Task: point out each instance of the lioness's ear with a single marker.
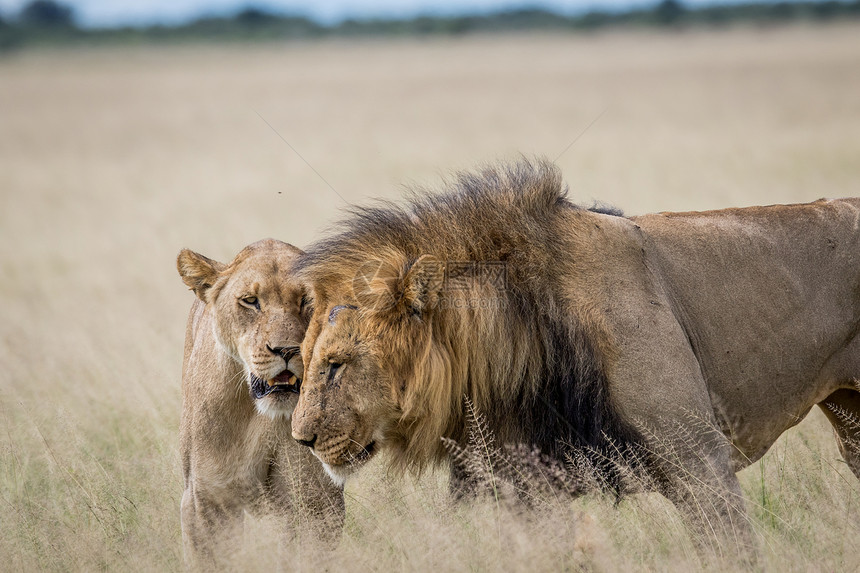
(422, 285)
(197, 271)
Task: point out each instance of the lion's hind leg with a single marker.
(842, 408)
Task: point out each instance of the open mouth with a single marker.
(286, 382)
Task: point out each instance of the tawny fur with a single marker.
(697, 338)
(237, 453)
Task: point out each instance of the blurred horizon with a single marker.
(95, 14)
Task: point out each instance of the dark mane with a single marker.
(484, 202)
(546, 368)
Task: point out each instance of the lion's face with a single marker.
(360, 363)
(257, 315)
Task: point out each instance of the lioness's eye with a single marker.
(251, 301)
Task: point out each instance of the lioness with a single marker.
(685, 343)
(240, 380)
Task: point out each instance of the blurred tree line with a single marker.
(46, 22)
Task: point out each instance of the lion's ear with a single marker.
(198, 272)
(422, 285)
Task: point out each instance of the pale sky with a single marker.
(141, 12)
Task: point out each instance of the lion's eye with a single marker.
(251, 301)
(333, 367)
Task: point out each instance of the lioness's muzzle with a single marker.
(286, 382)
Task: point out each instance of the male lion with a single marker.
(686, 343)
(239, 387)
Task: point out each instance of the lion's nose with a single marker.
(309, 443)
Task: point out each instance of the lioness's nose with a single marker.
(285, 352)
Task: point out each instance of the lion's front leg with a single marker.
(692, 468)
(656, 383)
(689, 460)
(207, 527)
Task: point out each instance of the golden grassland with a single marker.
(111, 161)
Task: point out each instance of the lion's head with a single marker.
(365, 353)
(257, 311)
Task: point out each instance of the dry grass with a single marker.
(110, 162)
